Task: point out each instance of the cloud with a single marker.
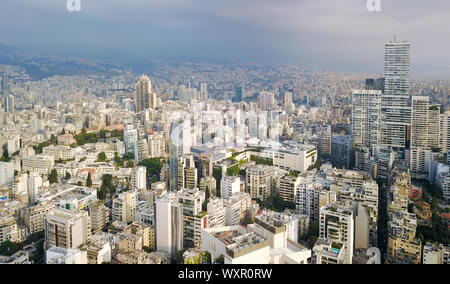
(340, 35)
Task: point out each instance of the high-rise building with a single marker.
(193, 217)
(419, 122)
(229, 186)
(260, 181)
(288, 98)
(425, 133)
(139, 178)
(205, 165)
(366, 118)
(239, 94)
(144, 97)
(6, 173)
(34, 183)
(130, 138)
(342, 152)
(157, 145)
(67, 229)
(287, 188)
(8, 103)
(396, 106)
(187, 172)
(169, 224)
(336, 224)
(4, 85)
(203, 92)
(375, 84)
(124, 207)
(99, 214)
(266, 100)
(208, 185)
(444, 132)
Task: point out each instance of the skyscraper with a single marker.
(444, 132)
(396, 107)
(130, 138)
(9, 103)
(366, 117)
(144, 97)
(419, 121)
(266, 100)
(238, 97)
(4, 85)
(203, 91)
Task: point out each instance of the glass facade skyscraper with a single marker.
(396, 103)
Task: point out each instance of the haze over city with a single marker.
(338, 36)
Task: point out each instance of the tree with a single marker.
(130, 164)
(154, 167)
(63, 131)
(53, 139)
(68, 176)
(89, 180)
(102, 157)
(53, 177)
(180, 256)
(102, 192)
(220, 259)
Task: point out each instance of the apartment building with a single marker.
(35, 216)
(259, 181)
(67, 229)
(124, 207)
(41, 164)
(336, 224)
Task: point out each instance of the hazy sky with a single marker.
(334, 34)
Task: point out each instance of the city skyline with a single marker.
(206, 161)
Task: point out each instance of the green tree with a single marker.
(53, 177)
(89, 180)
(68, 176)
(102, 157)
(220, 259)
(53, 140)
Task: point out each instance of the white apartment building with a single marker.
(216, 212)
(259, 181)
(59, 255)
(236, 245)
(312, 194)
(34, 185)
(433, 254)
(366, 117)
(157, 145)
(295, 158)
(139, 178)
(169, 226)
(124, 207)
(35, 216)
(336, 224)
(59, 152)
(67, 229)
(41, 164)
(237, 208)
(287, 188)
(229, 186)
(6, 173)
